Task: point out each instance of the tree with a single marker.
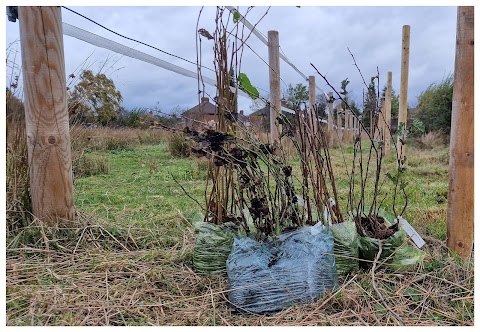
(95, 99)
(354, 108)
(435, 106)
(370, 104)
(322, 105)
(293, 96)
(395, 101)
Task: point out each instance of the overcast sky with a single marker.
(318, 35)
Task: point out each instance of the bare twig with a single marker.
(394, 314)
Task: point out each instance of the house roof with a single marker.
(266, 110)
(243, 118)
(205, 106)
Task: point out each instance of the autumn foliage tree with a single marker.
(95, 99)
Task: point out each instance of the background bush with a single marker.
(435, 106)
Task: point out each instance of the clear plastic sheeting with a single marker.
(405, 257)
(346, 241)
(212, 247)
(297, 268)
(369, 247)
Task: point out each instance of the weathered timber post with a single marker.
(339, 125)
(348, 125)
(274, 74)
(388, 113)
(46, 114)
(381, 122)
(461, 171)
(372, 127)
(330, 119)
(354, 126)
(402, 111)
(312, 97)
(357, 126)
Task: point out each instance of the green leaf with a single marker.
(400, 129)
(380, 309)
(413, 293)
(246, 86)
(236, 16)
(418, 126)
(392, 178)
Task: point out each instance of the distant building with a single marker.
(261, 118)
(203, 112)
(206, 112)
(244, 120)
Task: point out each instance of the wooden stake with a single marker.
(312, 100)
(274, 74)
(388, 112)
(330, 119)
(339, 125)
(348, 125)
(46, 115)
(402, 112)
(461, 170)
(381, 122)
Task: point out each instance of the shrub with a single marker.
(136, 118)
(178, 146)
(435, 106)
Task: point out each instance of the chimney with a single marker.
(204, 100)
(241, 112)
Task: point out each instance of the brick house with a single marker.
(260, 119)
(205, 112)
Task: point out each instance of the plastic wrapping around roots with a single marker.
(265, 277)
(212, 247)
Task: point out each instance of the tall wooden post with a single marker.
(402, 111)
(348, 125)
(381, 122)
(274, 74)
(372, 127)
(461, 171)
(354, 124)
(339, 125)
(330, 119)
(388, 113)
(46, 115)
(312, 100)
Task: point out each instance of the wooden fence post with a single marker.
(461, 171)
(402, 111)
(46, 114)
(312, 100)
(274, 74)
(388, 112)
(348, 125)
(339, 125)
(381, 122)
(330, 119)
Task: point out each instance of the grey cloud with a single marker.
(319, 35)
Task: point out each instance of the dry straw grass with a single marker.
(105, 138)
(95, 275)
(431, 140)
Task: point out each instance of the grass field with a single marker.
(127, 261)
